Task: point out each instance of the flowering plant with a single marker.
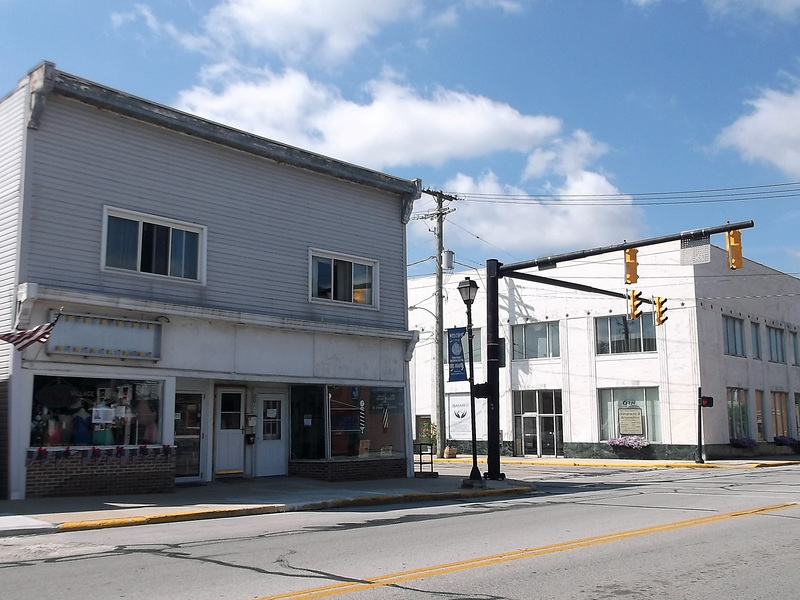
(784, 440)
(629, 441)
(743, 443)
(427, 432)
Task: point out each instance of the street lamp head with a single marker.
(468, 290)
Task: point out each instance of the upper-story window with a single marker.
(777, 345)
(755, 331)
(619, 334)
(733, 336)
(343, 279)
(153, 245)
(536, 340)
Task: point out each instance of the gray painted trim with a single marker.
(47, 79)
(68, 297)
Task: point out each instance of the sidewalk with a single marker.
(265, 495)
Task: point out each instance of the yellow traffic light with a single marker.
(733, 241)
(661, 310)
(635, 304)
(631, 265)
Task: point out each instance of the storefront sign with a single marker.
(630, 421)
(89, 335)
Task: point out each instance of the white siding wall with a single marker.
(12, 140)
(12, 135)
(262, 217)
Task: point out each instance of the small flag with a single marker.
(27, 337)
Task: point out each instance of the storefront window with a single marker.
(366, 422)
(630, 411)
(73, 411)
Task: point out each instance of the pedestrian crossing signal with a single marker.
(706, 401)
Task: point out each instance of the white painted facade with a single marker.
(689, 355)
(211, 359)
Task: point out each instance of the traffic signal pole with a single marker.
(496, 270)
(493, 370)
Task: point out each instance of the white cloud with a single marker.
(786, 9)
(564, 156)
(159, 28)
(770, 132)
(322, 31)
(508, 6)
(527, 226)
(296, 30)
(395, 126)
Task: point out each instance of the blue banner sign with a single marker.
(455, 353)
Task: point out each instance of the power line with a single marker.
(713, 195)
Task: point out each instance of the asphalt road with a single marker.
(585, 533)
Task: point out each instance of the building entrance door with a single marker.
(229, 447)
(530, 437)
(550, 435)
(188, 428)
(538, 423)
(271, 442)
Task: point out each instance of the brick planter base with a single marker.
(81, 475)
(349, 470)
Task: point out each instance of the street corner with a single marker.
(13, 525)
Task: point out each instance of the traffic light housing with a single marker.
(631, 266)
(733, 242)
(706, 401)
(661, 310)
(634, 304)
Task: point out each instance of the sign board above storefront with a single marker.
(90, 335)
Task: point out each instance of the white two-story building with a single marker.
(579, 372)
(230, 305)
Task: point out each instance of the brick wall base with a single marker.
(349, 470)
(80, 474)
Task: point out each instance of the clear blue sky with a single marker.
(551, 119)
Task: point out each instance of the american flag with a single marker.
(27, 337)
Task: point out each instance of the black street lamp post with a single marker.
(469, 290)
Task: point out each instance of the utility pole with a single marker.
(441, 416)
(440, 410)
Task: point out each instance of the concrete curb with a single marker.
(630, 464)
(283, 508)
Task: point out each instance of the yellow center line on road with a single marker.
(472, 563)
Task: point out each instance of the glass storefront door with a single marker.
(188, 422)
(538, 423)
(530, 445)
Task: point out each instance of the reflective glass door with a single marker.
(188, 427)
(530, 438)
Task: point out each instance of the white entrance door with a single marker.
(271, 438)
(229, 453)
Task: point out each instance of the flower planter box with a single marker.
(625, 453)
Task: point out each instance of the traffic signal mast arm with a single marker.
(505, 270)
